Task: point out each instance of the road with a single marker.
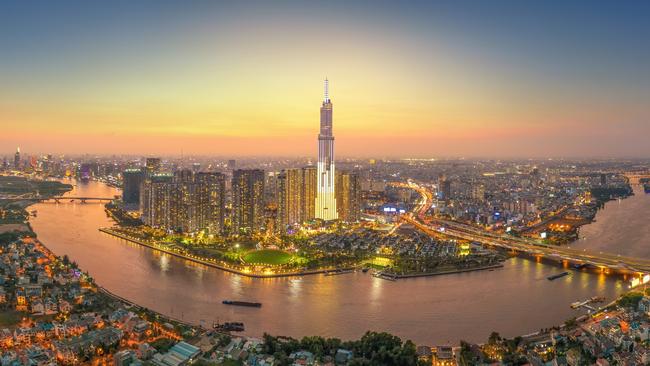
(435, 226)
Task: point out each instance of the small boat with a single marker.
(365, 269)
(242, 303)
(581, 265)
(556, 276)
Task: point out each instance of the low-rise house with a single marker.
(343, 356)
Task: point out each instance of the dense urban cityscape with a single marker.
(343, 183)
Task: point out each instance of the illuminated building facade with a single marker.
(212, 200)
(185, 201)
(325, 194)
(182, 215)
(348, 196)
(308, 193)
(153, 165)
(290, 200)
(248, 200)
(154, 199)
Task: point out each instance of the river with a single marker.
(514, 300)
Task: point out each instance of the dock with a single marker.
(586, 303)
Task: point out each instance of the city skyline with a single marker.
(424, 80)
(177, 188)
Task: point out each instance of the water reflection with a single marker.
(427, 310)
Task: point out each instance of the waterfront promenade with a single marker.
(220, 265)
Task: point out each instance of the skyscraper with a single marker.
(154, 199)
(290, 189)
(348, 196)
(308, 194)
(325, 194)
(132, 180)
(248, 200)
(212, 200)
(183, 203)
(17, 159)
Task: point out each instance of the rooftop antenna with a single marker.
(327, 92)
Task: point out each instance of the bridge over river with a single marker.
(606, 262)
(58, 199)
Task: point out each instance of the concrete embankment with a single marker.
(217, 265)
(494, 266)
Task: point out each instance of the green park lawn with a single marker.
(268, 256)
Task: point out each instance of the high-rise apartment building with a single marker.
(184, 201)
(290, 200)
(154, 199)
(212, 200)
(132, 180)
(308, 193)
(248, 200)
(348, 196)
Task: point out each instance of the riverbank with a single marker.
(240, 272)
(326, 271)
(348, 305)
(454, 271)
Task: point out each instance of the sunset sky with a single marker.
(426, 79)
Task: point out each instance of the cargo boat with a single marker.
(242, 303)
(338, 272)
(230, 327)
(556, 276)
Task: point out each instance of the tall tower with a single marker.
(17, 159)
(325, 196)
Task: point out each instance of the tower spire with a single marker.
(327, 91)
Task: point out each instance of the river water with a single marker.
(514, 300)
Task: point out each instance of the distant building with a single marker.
(17, 159)
(153, 165)
(132, 180)
(248, 200)
(444, 188)
(85, 171)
